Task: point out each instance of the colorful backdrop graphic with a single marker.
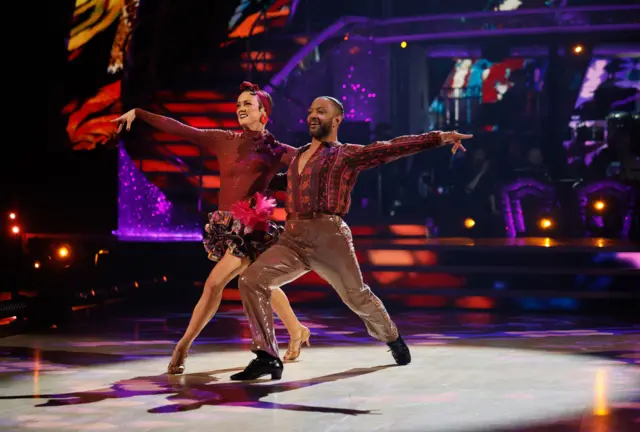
(98, 43)
(91, 17)
(492, 78)
(97, 48)
(248, 12)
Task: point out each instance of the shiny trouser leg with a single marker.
(325, 246)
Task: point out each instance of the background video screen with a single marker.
(97, 45)
(99, 40)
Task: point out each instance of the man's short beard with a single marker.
(323, 131)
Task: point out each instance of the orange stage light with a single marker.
(545, 223)
(408, 230)
(599, 205)
(391, 258)
(64, 251)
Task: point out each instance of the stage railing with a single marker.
(458, 26)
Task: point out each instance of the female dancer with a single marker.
(240, 230)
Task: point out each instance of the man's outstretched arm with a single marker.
(381, 152)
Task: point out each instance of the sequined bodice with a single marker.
(248, 160)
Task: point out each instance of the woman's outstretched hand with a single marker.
(125, 119)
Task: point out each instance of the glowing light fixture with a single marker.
(64, 251)
(545, 223)
(599, 205)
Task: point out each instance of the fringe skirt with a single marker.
(225, 231)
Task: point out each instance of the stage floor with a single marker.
(470, 372)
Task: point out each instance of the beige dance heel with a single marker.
(293, 350)
(176, 366)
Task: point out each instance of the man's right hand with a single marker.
(126, 118)
(454, 138)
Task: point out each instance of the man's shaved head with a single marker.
(335, 102)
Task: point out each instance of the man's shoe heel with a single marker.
(264, 364)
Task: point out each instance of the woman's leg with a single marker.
(298, 334)
(225, 270)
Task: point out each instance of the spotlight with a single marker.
(578, 49)
(469, 223)
(599, 205)
(63, 251)
(36, 264)
(15, 230)
(545, 223)
(12, 216)
(403, 44)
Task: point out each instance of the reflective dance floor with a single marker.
(470, 372)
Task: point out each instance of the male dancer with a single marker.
(320, 179)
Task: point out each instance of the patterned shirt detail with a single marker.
(327, 179)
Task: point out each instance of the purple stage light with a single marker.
(613, 189)
(512, 195)
(594, 77)
(293, 9)
(632, 258)
(144, 212)
(151, 236)
(520, 31)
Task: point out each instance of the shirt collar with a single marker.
(305, 147)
